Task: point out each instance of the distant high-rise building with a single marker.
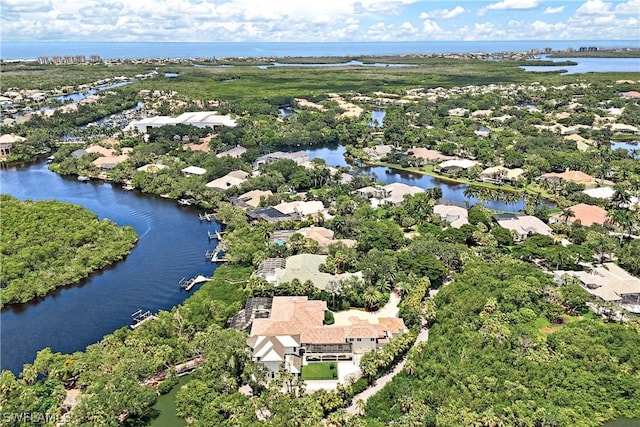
(80, 59)
(43, 60)
(68, 59)
(57, 60)
(588, 49)
(94, 58)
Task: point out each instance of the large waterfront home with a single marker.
(290, 331)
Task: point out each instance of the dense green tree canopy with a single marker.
(47, 244)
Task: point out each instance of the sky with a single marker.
(317, 20)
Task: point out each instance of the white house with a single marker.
(522, 225)
(232, 179)
(200, 119)
(193, 170)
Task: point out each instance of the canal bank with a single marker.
(451, 190)
(172, 243)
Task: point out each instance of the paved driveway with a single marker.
(390, 309)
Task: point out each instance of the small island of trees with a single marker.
(48, 244)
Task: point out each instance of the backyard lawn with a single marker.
(320, 371)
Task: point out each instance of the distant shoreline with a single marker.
(13, 51)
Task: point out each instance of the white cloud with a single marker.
(296, 20)
(443, 13)
(594, 7)
(13, 6)
(632, 7)
(511, 5)
(553, 10)
(430, 27)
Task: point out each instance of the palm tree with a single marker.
(410, 366)
(620, 197)
(566, 214)
(624, 218)
(371, 297)
(531, 200)
(471, 192)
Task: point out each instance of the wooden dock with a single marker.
(188, 366)
(187, 285)
(217, 235)
(213, 256)
(139, 317)
(206, 217)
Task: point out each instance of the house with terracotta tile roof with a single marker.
(203, 146)
(631, 94)
(293, 334)
(583, 214)
(108, 159)
(324, 237)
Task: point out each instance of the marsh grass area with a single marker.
(249, 82)
(320, 371)
(48, 77)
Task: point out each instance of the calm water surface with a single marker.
(31, 50)
(633, 148)
(172, 245)
(377, 118)
(166, 406)
(589, 65)
(334, 156)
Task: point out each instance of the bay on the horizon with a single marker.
(184, 50)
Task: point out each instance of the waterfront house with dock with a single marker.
(290, 331)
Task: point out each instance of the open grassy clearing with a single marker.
(320, 371)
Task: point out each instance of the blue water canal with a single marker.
(334, 156)
(172, 245)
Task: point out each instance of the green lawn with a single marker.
(320, 371)
(545, 327)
